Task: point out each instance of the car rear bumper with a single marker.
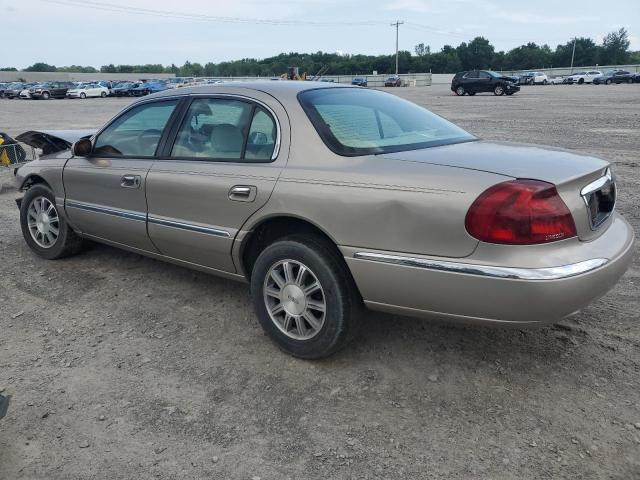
(460, 290)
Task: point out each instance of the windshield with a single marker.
(353, 121)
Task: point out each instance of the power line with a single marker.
(112, 7)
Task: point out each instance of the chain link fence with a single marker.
(13, 156)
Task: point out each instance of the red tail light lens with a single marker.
(520, 212)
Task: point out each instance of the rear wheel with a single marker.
(498, 90)
(83, 95)
(43, 228)
(608, 82)
(45, 95)
(460, 91)
(103, 94)
(304, 297)
(581, 81)
(630, 80)
(545, 82)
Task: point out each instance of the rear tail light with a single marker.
(520, 212)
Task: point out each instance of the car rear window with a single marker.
(354, 122)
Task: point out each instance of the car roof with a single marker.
(284, 88)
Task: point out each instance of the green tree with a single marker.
(478, 53)
(41, 67)
(615, 48)
(587, 53)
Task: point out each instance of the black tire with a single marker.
(68, 242)
(45, 95)
(83, 95)
(343, 303)
(581, 81)
(103, 95)
(608, 82)
(498, 90)
(630, 80)
(471, 94)
(545, 82)
(460, 91)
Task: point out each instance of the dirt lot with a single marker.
(122, 367)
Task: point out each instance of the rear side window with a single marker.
(137, 132)
(225, 130)
(353, 121)
(471, 75)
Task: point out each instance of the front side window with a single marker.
(484, 75)
(352, 122)
(225, 130)
(137, 132)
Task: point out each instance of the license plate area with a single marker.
(600, 199)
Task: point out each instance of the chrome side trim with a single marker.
(187, 226)
(548, 273)
(108, 211)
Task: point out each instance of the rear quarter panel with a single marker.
(375, 202)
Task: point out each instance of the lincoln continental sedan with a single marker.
(330, 199)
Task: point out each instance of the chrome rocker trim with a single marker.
(192, 228)
(141, 217)
(548, 273)
(108, 211)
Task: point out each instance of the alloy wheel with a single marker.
(295, 300)
(43, 222)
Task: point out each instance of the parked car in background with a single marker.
(534, 78)
(147, 88)
(13, 90)
(557, 80)
(477, 81)
(359, 81)
(215, 178)
(614, 76)
(88, 90)
(124, 89)
(393, 81)
(584, 77)
(24, 93)
(3, 87)
(48, 90)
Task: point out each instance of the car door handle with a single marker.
(243, 193)
(130, 181)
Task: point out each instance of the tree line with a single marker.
(478, 53)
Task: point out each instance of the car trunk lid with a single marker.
(570, 172)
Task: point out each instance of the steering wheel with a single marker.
(149, 137)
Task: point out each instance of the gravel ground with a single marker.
(123, 367)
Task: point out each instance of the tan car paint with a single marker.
(410, 203)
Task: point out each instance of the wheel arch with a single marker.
(33, 179)
(271, 228)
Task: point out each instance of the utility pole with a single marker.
(397, 25)
(573, 53)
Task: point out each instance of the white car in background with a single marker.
(558, 80)
(24, 94)
(584, 77)
(88, 90)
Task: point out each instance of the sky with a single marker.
(90, 32)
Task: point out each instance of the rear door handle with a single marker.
(130, 181)
(243, 193)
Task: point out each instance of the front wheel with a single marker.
(304, 297)
(608, 82)
(471, 94)
(545, 82)
(498, 90)
(103, 94)
(43, 228)
(460, 91)
(630, 80)
(45, 95)
(83, 96)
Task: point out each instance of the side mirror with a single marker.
(82, 148)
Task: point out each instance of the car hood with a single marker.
(52, 141)
(514, 160)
